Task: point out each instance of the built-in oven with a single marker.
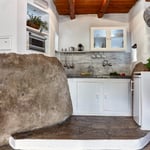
(36, 42)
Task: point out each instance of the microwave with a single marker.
(36, 42)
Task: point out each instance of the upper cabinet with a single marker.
(108, 39)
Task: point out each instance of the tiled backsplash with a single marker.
(120, 62)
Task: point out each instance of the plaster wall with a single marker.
(73, 32)
(140, 33)
(8, 17)
(54, 27)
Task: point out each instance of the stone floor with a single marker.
(81, 127)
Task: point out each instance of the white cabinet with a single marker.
(89, 97)
(117, 100)
(141, 99)
(5, 43)
(85, 96)
(109, 97)
(72, 89)
(137, 100)
(108, 38)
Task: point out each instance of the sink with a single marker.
(103, 76)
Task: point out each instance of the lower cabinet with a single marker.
(89, 98)
(108, 97)
(117, 97)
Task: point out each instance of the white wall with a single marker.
(73, 32)
(8, 17)
(54, 27)
(139, 30)
(13, 24)
(21, 24)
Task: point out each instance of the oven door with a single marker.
(37, 42)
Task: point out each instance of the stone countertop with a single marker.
(99, 76)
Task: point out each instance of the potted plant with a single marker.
(148, 64)
(37, 23)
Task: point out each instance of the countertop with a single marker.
(99, 76)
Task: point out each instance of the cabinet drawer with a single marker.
(5, 43)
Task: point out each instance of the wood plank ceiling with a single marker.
(99, 7)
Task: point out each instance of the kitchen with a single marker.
(90, 62)
(67, 33)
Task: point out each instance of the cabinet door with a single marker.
(108, 38)
(89, 98)
(116, 98)
(137, 101)
(100, 38)
(117, 39)
(73, 94)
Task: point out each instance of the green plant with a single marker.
(44, 25)
(37, 22)
(148, 64)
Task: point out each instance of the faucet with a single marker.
(106, 63)
(91, 69)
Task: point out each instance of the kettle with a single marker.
(80, 47)
(71, 49)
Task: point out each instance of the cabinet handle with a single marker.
(131, 85)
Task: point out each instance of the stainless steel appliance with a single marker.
(36, 42)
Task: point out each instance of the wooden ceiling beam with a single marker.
(72, 8)
(103, 8)
(99, 7)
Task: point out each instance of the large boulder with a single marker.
(33, 93)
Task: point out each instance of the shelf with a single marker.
(37, 9)
(79, 52)
(36, 31)
(72, 52)
(90, 51)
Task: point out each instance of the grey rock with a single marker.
(146, 16)
(34, 93)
